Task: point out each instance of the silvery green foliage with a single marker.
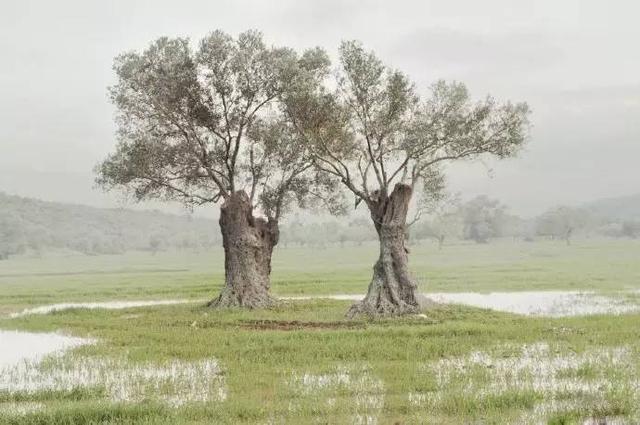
(371, 129)
(196, 125)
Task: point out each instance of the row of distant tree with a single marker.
(483, 219)
(33, 226)
(480, 219)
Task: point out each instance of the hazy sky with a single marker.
(577, 63)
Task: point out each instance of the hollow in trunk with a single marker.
(248, 243)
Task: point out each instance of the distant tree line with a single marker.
(482, 219)
(33, 226)
(298, 233)
(479, 220)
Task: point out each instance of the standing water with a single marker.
(17, 347)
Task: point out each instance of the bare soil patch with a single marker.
(294, 325)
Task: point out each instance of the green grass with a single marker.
(503, 265)
(303, 362)
(390, 358)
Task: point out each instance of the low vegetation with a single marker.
(503, 265)
(303, 362)
(454, 365)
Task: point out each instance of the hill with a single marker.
(621, 208)
(33, 225)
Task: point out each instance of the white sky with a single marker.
(576, 62)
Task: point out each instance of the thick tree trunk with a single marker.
(392, 290)
(248, 244)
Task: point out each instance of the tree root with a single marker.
(382, 308)
(250, 300)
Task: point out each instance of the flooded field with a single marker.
(22, 351)
(541, 303)
(188, 361)
(564, 381)
(175, 383)
(530, 303)
(17, 348)
(365, 392)
(118, 347)
(37, 363)
(533, 303)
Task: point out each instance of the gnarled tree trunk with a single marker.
(392, 290)
(248, 244)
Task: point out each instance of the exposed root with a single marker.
(392, 291)
(247, 299)
(382, 308)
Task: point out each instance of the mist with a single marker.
(319, 211)
(576, 64)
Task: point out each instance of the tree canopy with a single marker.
(374, 130)
(198, 125)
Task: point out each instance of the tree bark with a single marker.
(392, 290)
(248, 244)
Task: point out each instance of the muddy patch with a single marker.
(295, 325)
(337, 297)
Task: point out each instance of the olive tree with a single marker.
(371, 132)
(12, 235)
(445, 219)
(483, 218)
(561, 222)
(204, 126)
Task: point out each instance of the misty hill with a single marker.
(33, 225)
(621, 208)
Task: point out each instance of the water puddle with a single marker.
(530, 303)
(107, 305)
(19, 347)
(541, 303)
(33, 362)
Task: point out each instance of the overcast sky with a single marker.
(577, 63)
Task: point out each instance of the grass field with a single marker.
(608, 265)
(303, 362)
